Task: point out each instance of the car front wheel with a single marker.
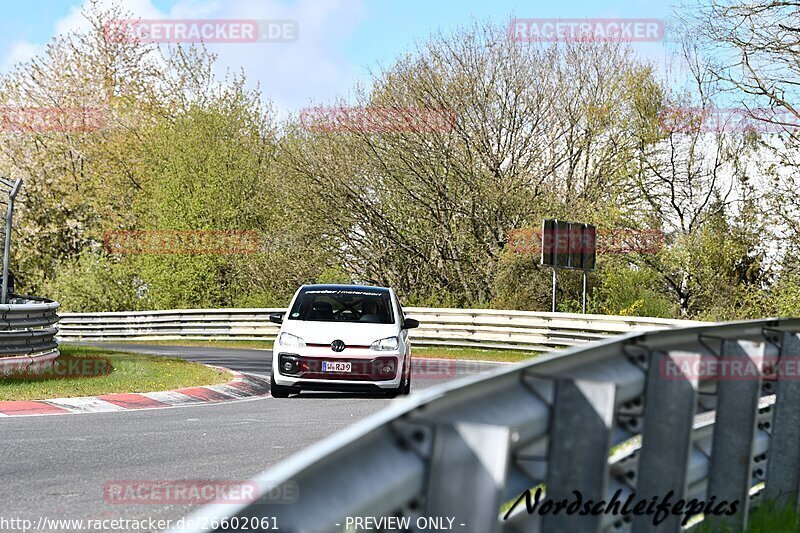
(404, 388)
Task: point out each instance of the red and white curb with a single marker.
(241, 387)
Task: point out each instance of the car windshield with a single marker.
(343, 305)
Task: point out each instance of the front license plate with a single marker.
(336, 366)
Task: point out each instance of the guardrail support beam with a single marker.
(670, 401)
(467, 475)
(730, 473)
(582, 419)
(783, 462)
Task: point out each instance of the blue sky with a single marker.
(339, 39)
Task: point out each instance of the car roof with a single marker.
(334, 287)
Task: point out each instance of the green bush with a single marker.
(630, 291)
(97, 282)
(786, 294)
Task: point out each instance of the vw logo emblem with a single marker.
(337, 345)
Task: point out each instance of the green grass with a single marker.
(764, 518)
(261, 345)
(444, 352)
(473, 354)
(128, 373)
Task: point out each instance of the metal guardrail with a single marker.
(594, 419)
(483, 328)
(27, 333)
(11, 188)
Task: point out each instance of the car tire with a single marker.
(402, 389)
(393, 393)
(279, 391)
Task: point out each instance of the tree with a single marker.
(691, 176)
(536, 131)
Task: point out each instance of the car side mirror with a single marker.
(276, 317)
(410, 323)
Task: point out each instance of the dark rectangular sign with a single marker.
(548, 231)
(575, 245)
(568, 244)
(561, 240)
(589, 248)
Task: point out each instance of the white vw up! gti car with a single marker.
(343, 338)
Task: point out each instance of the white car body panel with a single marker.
(353, 334)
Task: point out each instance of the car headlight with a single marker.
(291, 341)
(389, 343)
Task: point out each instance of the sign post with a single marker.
(569, 245)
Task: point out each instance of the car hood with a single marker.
(351, 333)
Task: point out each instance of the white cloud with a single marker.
(24, 50)
(76, 22)
(20, 51)
(292, 74)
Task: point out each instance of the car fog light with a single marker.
(387, 369)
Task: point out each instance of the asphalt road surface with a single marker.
(57, 466)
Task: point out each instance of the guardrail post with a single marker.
(469, 464)
(7, 247)
(730, 473)
(670, 401)
(580, 438)
(783, 462)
